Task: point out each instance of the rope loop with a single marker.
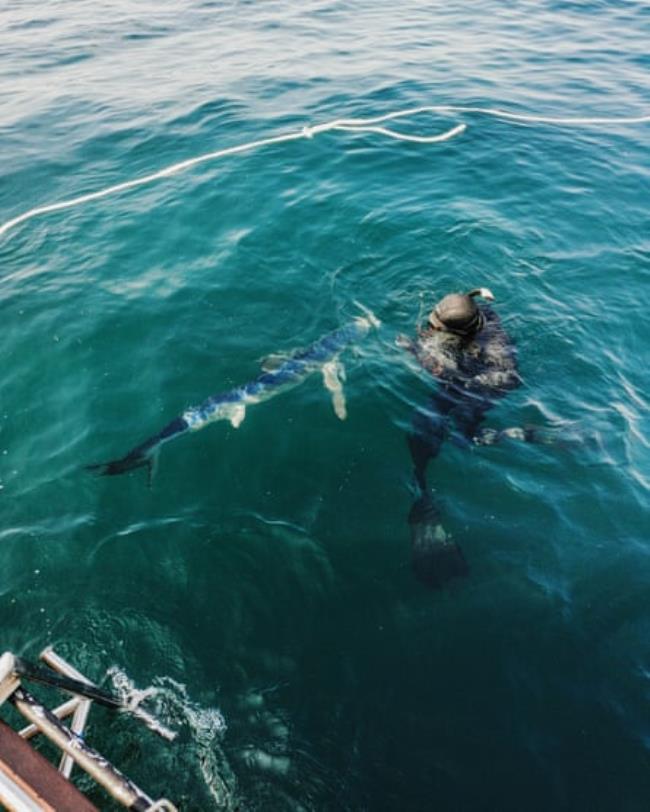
(353, 125)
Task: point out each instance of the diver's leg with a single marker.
(427, 434)
(468, 414)
(434, 557)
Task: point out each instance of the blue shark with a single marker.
(322, 355)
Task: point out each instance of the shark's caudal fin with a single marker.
(134, 459)
(144, 455)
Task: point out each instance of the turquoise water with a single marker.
(263, 583)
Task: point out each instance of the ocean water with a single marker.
(263, 583)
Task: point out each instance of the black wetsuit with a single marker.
(473, 373)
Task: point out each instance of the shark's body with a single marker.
(231, 405)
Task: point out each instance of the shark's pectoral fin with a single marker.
(237, 415)
(333, 377)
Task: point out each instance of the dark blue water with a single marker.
(263, 584)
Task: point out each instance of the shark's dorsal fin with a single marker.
(333, 377)
(274, 361)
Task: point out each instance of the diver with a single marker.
(465, 348)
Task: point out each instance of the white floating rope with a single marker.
(342, 124)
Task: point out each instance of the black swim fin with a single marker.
(434, 557)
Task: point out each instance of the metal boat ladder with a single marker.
(28, 781)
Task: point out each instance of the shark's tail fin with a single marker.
(435, 558)
(143, 455)
(138, 458)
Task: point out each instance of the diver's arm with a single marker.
(427, 348)
(499, 372)
(412, 347)
(433, 367)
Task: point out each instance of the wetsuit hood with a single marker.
(458, 313)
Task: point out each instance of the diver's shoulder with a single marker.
(493, 328)
(490, 315)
